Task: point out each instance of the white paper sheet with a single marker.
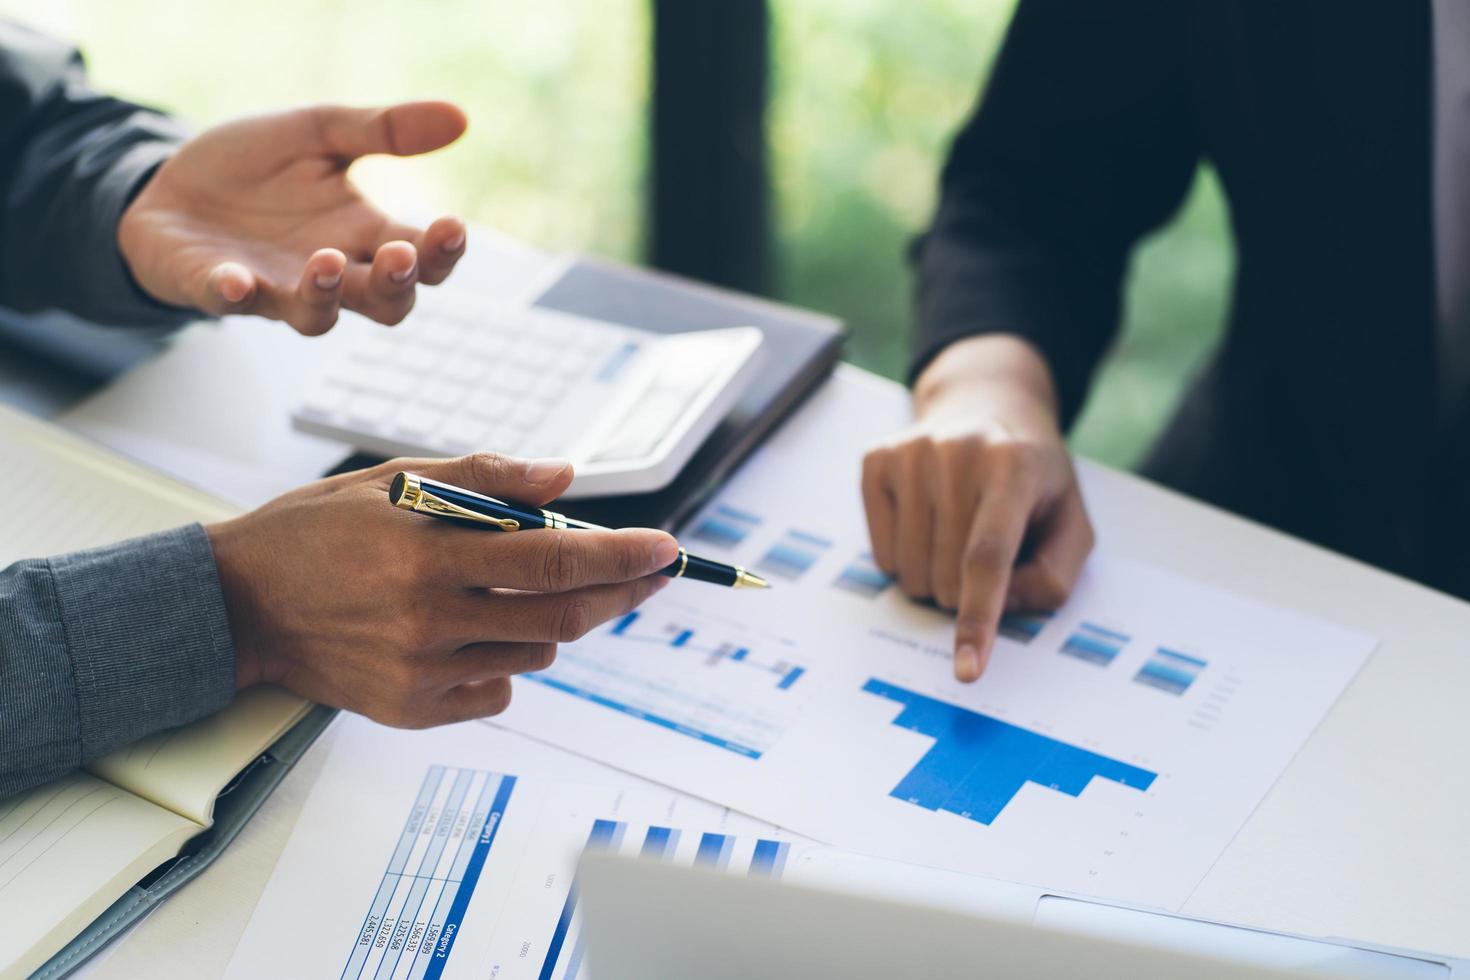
(1112, 749)
(451, 853)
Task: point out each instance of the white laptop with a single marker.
(857, 918)
(464, 373)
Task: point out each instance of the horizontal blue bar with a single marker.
(1094, 628)
(1175, 655)
(682, 638)
(808, 538)
(791, 677)
(740, 654)
(639, 713)
(624, 623)
(739, 515)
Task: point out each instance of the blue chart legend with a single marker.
(863, 577)
(978, 763)
(725, 526)
(761, 858)
(1095, 644)
(415, 915)
(796, 552)
(1023, 627)
(724, 693)
(1169, 670)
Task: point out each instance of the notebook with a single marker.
(73, 849)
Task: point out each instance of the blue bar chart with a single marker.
(761, 857)
(1170, 670)
(1023, 627)
(978, 764)
(665, 672)
(793, 555)
(863, 577)
(1095, 644)
(725, 526)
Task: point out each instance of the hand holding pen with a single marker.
(341, 598)
(447, 502)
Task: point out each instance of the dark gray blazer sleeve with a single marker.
(1082, 142)
(70, 162)
(102, 647)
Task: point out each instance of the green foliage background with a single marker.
(865, 96)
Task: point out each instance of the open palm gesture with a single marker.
(258, 216)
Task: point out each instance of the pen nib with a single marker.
(749, 580)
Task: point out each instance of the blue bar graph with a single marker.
(863, 577)
(796, 552)
(621, 626)
(769, 860)
(660, 843)
(725, 526)
(1095, 644)
(978, 764)
(682, 638)
(714, 851)
(606, 835)
(1023, 627)
(791, 677)
(1170, 670)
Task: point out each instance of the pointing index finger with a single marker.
(990, 552)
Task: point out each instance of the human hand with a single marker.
(981, 481)
(348, 601)
(258, 216)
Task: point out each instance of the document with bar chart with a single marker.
(422, 856)
(1113, 747)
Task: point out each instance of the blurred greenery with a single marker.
(865, 94)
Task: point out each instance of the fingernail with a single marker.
(665, 552)
(454, 244)
(545, 470)
(325, 281)
(233, 290)
(405, 275)
(967, 662)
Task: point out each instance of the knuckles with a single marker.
(564, 563)
(573, 621)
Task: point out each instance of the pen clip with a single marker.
(409, 494)
(438, 505)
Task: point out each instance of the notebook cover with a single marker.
(234, 808)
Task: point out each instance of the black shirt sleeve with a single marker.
(70, 162)
(1082, 143)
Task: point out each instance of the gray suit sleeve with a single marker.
(71, 160)
(101, 647)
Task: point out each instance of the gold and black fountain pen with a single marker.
(424, 496)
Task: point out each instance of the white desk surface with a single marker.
(1365, 835)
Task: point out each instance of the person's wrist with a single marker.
(996, 375)
(227, 540)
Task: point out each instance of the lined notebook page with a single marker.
(67, 851)
(67, 493)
